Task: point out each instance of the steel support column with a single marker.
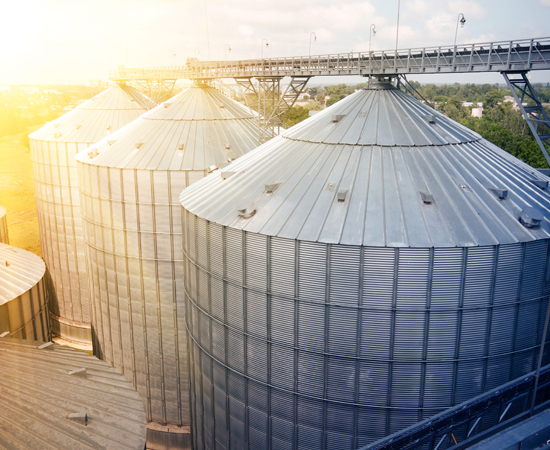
(536, 116)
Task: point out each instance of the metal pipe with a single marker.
(541, 352)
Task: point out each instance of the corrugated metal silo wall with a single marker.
(132, 230)
(58, 205)
(26, 316)
(4, 237)
(306, 345)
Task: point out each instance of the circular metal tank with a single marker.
(359, 273)
(4, 237)
(59, 398)
(53, 150)
(23, 295)
(130, 185)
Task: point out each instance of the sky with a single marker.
(75, 41)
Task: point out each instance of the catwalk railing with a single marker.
(521, 55)
(463, 425)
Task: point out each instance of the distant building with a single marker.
(30, 90)
(51, 91)
(477, 112)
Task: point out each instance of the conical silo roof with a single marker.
(378, 168)
(96, 118)
(196, 129)
(20, 271)
(54, 397)
(23, 296)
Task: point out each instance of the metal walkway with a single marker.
(519, 56)
(524, 54)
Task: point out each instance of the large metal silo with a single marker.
(370, 267)
(23, 295)
(4, 236)
(130, 185)
(54, 397)
(53, 150)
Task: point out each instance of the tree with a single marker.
(493, 97)
(320, 97)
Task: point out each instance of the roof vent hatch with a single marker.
(426, 197)
(430, 118)
(272, 187)
(81, 417)
(246, 209)
(337, 117)
(342, 194)
(530, 217)
(501, 193)
(540, 183)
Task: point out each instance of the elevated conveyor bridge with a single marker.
(516, 57)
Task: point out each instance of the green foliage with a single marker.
(493, 97)
(523, 148)
(296, 115)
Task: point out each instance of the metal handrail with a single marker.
(522, 54)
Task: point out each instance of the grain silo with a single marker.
(130, 185)
(4, 237)
(53, 148)
(59, 398)
(368, 268)
(23, 295)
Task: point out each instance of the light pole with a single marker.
(262, 51)
(460, 20)
(227, 47)
(397, 33)
(197, 53)
(372, 31)
(315, 36)
(371, 34)
(172, 56)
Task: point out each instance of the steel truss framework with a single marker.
(272, 106)
(157, 89)
(536, 115)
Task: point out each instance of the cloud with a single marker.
(545, 3)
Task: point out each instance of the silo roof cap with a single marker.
(189, 132)
(96, 118)
(20, 271)
(409, 181)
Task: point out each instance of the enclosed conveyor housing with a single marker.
(4, 236)
(53, 150)
(23, 295)
(59, 398)
(130, 185)
(372, 266)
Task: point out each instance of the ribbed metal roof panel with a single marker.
(384, 151)
(196, 129)
(97, 117)
(37, 394)
(20, 270)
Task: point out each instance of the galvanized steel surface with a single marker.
(4, 237)
(40, 386)
(53, 149)
(132, 229)
(23, 294)
(308, 345)
(344, 308)
(381, 155)
(194, 130)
